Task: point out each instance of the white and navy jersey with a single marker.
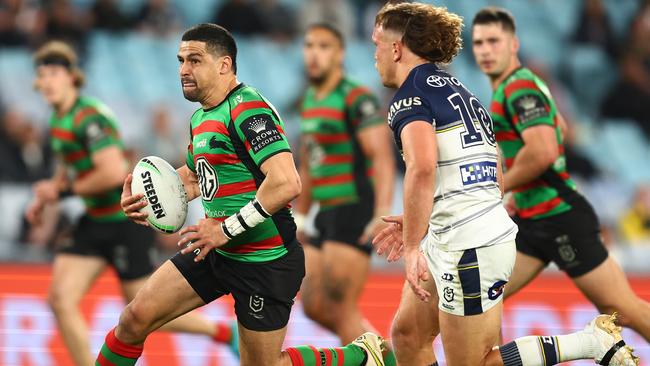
(467, 208)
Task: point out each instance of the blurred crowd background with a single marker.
(594, 54)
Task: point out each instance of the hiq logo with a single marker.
(483, 171)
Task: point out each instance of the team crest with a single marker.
(256, 303)
(448, 294)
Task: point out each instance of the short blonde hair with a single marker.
(60, 53)
(430, 32)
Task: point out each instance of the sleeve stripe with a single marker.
(241, 107)
(354, 93)
(83, 113)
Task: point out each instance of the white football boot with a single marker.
(373, 345)
(613, 351)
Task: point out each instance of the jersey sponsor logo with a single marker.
(530, 107)
(367, 109)
(201, 143)
(260, 131)
(401, 106)
(482, 171)
(208, 180)
(438, 81)
(496, 290)
(94, 133)
(150, 193)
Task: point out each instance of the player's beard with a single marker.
(317, 80)
(193, 94)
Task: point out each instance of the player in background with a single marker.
(556, 223)
(347, 167)
(454, 221)
(240, 164)
(92, 165)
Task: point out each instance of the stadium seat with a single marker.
(630, 162)
(590, 73)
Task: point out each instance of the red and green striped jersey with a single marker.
(339, 171)
(521, 101)
(87, 128)
(229, 143)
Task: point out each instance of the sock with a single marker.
(548, 350)
(116, 353)
(389, 358)
(224, 333)
(349, 355)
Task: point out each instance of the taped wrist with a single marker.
(248, 216)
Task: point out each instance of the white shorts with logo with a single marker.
(470, 281)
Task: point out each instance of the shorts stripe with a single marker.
(470, 280)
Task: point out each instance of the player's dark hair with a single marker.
(493, 14)
(216, 38)
(330, 28)
(430, 32)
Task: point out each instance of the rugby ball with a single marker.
(164, 191)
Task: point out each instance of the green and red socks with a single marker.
(116, 353)
(350, 355)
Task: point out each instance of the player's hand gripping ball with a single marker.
(164, 192)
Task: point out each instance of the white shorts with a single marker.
(470, 281)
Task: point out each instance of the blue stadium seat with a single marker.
(590, 73)
(623, 142)
(197, 11)
(620, 14)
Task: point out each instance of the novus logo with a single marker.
(150, 192)
(402, 105)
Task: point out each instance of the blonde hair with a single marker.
(60, 53)
(430, 32)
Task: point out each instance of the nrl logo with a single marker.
(528, 102)
(258, 125)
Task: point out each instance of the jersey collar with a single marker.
(235, 89)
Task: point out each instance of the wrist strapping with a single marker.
(299, 219)
(248, 216)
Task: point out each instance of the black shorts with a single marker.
(263, 292)
(570, 239)
(125, 245)
(344, 224)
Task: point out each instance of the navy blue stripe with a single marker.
(470, 280)
(550, 354)
(510, 354)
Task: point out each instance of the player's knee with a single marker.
(335, 290)
(135, 321)
(59, 301)
(407, 335)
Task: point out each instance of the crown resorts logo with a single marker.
(258, 125)
(528, 102)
